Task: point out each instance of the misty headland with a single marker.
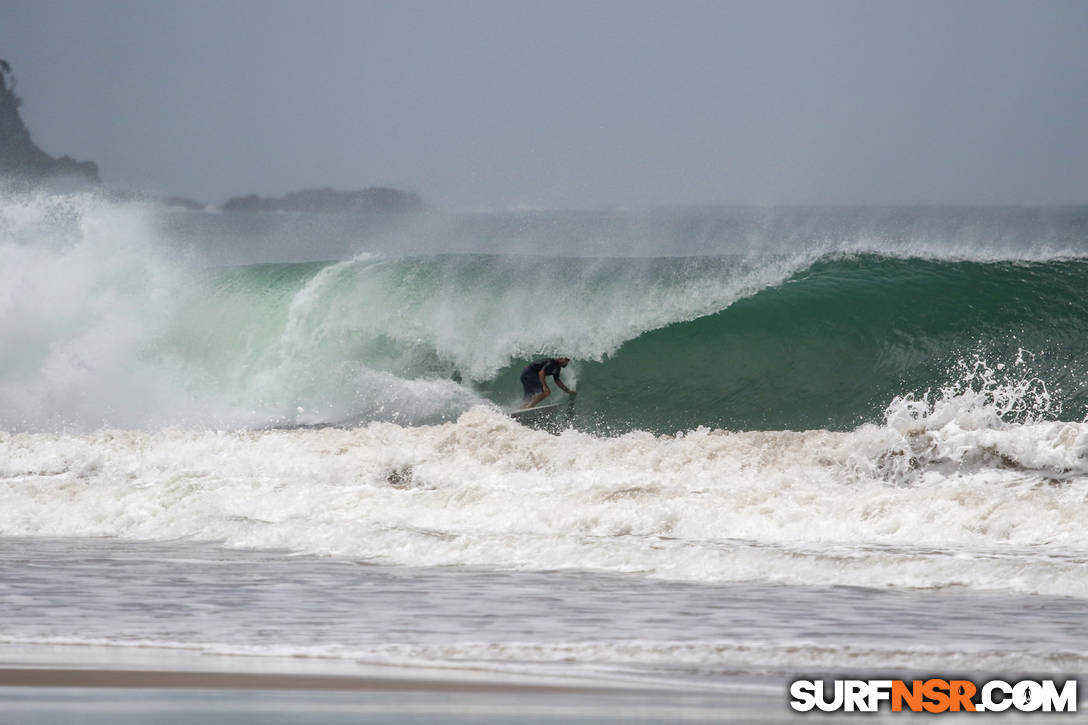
(20, 158)
(325, 200)
(24, 165)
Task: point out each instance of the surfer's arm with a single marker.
(559, 382)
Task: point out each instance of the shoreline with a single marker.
(99, 694)
(98, 685)
(217, 680)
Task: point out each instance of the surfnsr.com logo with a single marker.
(933, 695)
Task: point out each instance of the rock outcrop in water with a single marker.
(376, 199)
(20, 157)
(182, 202)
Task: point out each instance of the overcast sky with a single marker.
(549, 103)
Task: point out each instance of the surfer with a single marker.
(532, 379)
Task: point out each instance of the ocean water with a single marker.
(805, 440)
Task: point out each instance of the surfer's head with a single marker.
(562, 361)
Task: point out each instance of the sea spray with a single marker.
(988, 416)
(85, 298)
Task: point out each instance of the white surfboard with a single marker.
(534, 412)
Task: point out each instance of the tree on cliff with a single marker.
(20, 157)
(7, 82)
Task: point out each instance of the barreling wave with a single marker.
(105, 325)
(662, 344)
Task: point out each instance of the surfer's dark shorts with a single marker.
(531, 383)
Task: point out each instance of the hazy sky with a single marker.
(549, 103)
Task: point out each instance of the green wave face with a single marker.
(836, 342)
(660, 344)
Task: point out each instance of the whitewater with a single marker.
(879, 415)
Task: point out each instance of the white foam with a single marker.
(706, 662)
(990, 508)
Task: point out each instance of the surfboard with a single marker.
(534, 412)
